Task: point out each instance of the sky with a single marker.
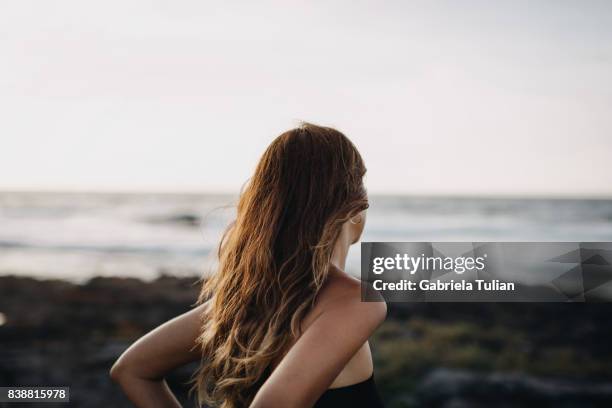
(441, 97)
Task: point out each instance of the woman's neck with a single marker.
(341, 248)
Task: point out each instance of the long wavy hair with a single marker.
(274, 259)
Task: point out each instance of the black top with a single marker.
(360, 395)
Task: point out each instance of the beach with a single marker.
(67, 334)
(84, 275)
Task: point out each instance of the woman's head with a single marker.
(308, 179)
(307, 189)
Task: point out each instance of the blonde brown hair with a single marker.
(274, 259)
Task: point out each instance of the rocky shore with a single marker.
(438, 355)
(58, 333)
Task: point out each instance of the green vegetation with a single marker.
(408, 346)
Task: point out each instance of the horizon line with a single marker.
(220, 192)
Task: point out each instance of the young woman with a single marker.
(280, 324)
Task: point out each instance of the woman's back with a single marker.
(354, 386)
(338, 287)
(330, 330)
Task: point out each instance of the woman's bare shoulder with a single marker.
(344, 292)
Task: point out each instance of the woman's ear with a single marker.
(357, 224)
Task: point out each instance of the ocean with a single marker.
(77, 236)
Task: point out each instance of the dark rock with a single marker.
(450, 388)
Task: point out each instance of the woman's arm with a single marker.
(141, 368)
(321, 353)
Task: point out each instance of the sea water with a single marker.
(78, 236)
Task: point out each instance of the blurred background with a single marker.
(128, 129)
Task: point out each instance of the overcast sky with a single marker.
(441, 97)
